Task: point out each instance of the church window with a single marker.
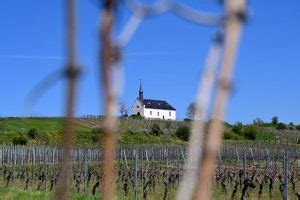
(157, 113)
(170, 113)
(150, 112)
(137, 106)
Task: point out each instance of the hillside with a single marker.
(50, 131)
(132, 131)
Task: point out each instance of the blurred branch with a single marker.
(233, 26)
(41, 88)
(72, 73)
(109, 57)
(189, 181)
(195, 16)
(183, 11)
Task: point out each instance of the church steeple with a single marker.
(141, 93)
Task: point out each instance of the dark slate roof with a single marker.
(157, 104)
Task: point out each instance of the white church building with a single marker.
(152, 109)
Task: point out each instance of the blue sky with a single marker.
(166, 52)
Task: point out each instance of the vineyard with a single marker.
(155, 172)
(128, 157)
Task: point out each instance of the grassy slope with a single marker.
(50, 130)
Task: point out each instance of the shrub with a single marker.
(20, 140)
(250, 132)
(281, 126)
(168, 125)
(237, 128)
(183, 132)
(230, 135)
(156, 130)
(136, 116)
(97, 134)
(32, 133)
(297, 127)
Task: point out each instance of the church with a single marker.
(152, 109)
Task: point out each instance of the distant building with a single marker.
(152, 109)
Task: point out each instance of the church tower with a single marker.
(141, 93)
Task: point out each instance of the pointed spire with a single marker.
(141, 89)
(141, 93)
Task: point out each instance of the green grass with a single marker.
(50, 133)
(12, 193)
(49, 130)
(131, 132)
(146, 138)
(9, 193)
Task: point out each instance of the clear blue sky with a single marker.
(166, 52)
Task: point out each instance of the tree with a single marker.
(190, 111)
(291, 126)
(122, 109)
(275, 120)
(258, 121)
(126, 113)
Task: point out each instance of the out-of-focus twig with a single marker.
(190, 179)
(129, 29)
(183, 11)
(109, 58)
(233, 25)
(72, 72)
(40, 88)
(195, 16)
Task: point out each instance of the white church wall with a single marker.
(137, 107)
(159, 114)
